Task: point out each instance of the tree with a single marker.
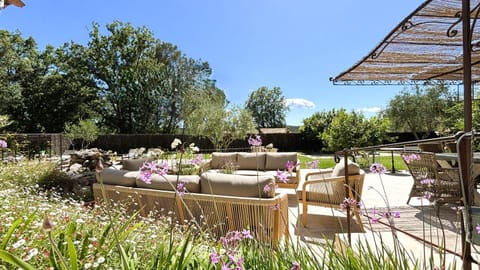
(314, 126)
(86, 131)
(221, 125)
(267, 107)
(420, 109)
(37, 90)
(142, 80)
(352, 129)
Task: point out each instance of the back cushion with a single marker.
(339, 169)
(169, 182)
(251, 161)
(237, 185)
(134, 164)
(278, 161)
(219, 159)
(118, 177)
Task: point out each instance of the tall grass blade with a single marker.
(14, 260)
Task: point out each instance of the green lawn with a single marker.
(328, 162)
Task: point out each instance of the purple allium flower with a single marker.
(409, 158)
(295, 266)
(396, 214)
(267, 188)
(3, 144)
(149, 168)
(181, 187)
(313, 164)
(377, 168)
(255, 141)
(478, 228)
(349, 203)
(375, 220)
(427, 181)
(214, 257)
(198, 160)
(282, 176)
(290, 165)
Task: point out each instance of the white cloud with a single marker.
(370, 110)
(299, 103)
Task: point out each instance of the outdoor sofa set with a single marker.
(244, 198)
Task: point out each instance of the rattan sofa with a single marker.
(256, 163)
(216, 202)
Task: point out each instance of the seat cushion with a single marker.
(119, 177)
(169, 182)
(236, 185)
(220, 159)
(278, 160)
(339, 169)
(134, 164)
(251, 161)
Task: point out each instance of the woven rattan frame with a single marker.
(267, 218)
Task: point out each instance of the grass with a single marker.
(39, 229)
(364, 161)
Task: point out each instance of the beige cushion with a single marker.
(219, 159)
(236, 185)
(339, 169)
(169, 182)
(134, 164)
(118, 177)
(251, 161)
(278, 161)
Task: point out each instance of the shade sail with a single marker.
(425, 47)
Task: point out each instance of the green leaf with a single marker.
(71, 247)
(13, 260)
(10, 231)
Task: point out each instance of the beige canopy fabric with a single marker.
(425, 47)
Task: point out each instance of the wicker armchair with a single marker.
(325, 189)
(431, 181)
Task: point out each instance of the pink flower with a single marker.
(409, 158)
(427, 181)
(295, 266)
(349, 203)
(198, 160)
(313, 164)
(214, 257)
(181, 187)
(3, 144)
(255, 141)
(149, 168)
(377, 168)
(282, 176)
(478, 228)
(267, 188)
(290, 165)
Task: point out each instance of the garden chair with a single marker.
(430, 180)
(327, 189)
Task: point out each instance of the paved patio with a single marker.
(417, 220)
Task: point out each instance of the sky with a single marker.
(294, 45)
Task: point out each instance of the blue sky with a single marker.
(295, 45)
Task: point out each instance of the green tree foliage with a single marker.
(348, 130)
(212, 119)
(35, 88)
(315, 125)
(420, 109)
(267, 107)
(142, 81)
(85, 130)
